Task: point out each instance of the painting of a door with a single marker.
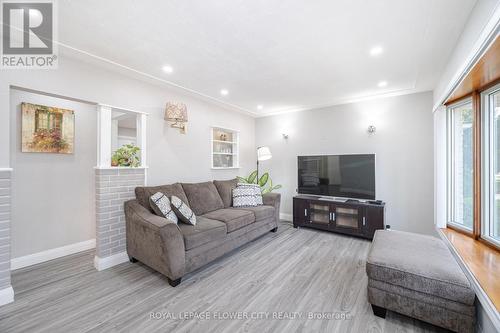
(47, 129)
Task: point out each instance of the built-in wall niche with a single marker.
(225, 148)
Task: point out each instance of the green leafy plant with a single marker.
(126, 156)
(265, 182)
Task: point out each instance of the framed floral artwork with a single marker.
(47, 129)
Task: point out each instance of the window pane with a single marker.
(494, 228)
(462, 166)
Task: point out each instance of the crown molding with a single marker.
(343, 101)
(75, 53)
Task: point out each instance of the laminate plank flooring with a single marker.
(287, 281)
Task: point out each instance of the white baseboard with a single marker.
(107, 262)
(286, 217)
(36, 258)
(6, 296)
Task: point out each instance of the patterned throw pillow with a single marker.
(161, 206)
(182, 210)
(257, 192)
(244, 196)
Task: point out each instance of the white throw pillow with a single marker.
(161, 206)
(257, 192)
(182, 210)
(244, 196)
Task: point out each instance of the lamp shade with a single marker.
(263, 153)
(176, 112)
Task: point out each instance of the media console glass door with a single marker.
(347, 218)
(319, 213)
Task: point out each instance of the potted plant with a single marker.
(126, 156)
(262, 181)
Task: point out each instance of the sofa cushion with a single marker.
(256, 189)
(244, 196)
(233, 218)
(261, 212)
(144, 193)
(160, 204)
(183, 212)
(418, 262)
(205, 231)
(225, 189)
(203, 197)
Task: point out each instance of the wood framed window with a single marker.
(473, 165)
(473, 151)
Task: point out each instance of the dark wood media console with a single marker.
(353, 217)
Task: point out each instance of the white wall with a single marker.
(403, 146)
(476, 25)
(53, 194)
(172, 156)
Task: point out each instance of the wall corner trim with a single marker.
(107, 262)
(6, 296)
(39, 257)
(286, 217)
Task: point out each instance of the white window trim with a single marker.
(487, 184)
(450, 190)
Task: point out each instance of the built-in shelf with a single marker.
(224, 148)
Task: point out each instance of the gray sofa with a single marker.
(417, 276)
(175, 250)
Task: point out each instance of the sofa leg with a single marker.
(174, 283)
(378, 311)
(274, 230)
(132, 259)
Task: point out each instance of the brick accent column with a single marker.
(114, 186)
(6, 291)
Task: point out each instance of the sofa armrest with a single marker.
(273, 199)
(154, 240)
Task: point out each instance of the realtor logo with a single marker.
(28, 31)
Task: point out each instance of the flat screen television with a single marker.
(346, 176)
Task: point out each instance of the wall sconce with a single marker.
(177, 114)
(372, 130)
(285, 136)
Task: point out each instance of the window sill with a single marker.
(481, 264)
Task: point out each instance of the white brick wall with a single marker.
(113, 188)
(5, 185)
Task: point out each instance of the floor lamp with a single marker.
(263, 153)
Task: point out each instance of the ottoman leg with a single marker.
(378, 311)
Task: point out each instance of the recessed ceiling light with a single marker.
(260, 107)
(376, 50)
(224, 92)
(168, 69)
(382, 84)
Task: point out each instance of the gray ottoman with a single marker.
(417, 276)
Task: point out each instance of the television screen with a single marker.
(348, 176)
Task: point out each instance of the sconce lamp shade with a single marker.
(176, 112)
(263, 153)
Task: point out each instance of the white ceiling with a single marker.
(284, 55)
